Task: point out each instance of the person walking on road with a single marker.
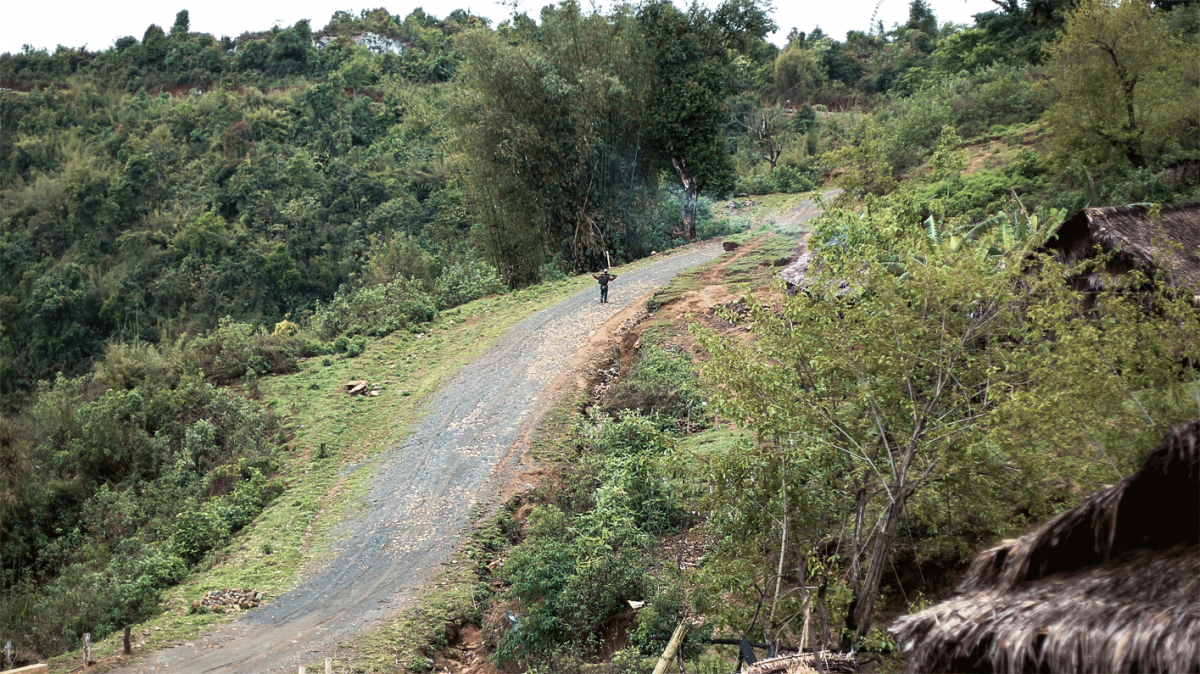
(604, 277)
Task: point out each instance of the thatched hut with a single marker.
(1112, 585)
(1164, 247)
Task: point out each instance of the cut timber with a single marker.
(672, 647)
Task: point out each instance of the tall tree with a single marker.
(691, 55)
(1126, 85)
(553, 171)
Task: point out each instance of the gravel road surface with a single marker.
(460, 454)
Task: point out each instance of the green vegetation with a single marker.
(202, 238)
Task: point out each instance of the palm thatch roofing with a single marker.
(822, 662)
(1166, 242)
(1112, 585)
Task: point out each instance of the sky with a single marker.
(76, 23)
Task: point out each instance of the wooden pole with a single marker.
(804, 632)
(8, 654)
(607, 260)
(303, 669)
(328, 665)
(128, 645)
(673, 645)
(87, 649)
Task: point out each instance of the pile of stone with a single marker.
(359, 387)
(220, 601)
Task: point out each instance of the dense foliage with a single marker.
(923, 395)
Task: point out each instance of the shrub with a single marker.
(972, 104)
(554, 270)
(375, 311)
(462, 282)
(198, 529)
(661, 382)
(232, 349)
(784, 178)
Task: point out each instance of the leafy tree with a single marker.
(181, 26)
(865, 169)
(690, 57)
(908, 391)
(799, 72)
(555, 170)
(768, 131)
(154, 46)
(253, 55)
(1125, 86)
(292, 49)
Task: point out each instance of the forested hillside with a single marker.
(183, 214)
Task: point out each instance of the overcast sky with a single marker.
(75, 23)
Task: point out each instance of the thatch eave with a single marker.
(1167, 244)
(1111, 585)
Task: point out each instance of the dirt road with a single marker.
(460, 454)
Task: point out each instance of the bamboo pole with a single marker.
(672, 646)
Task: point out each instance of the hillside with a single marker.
(203, 239)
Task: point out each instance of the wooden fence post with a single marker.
(87, 649)
(128, 644)
(303, 669)
(328, 665)
(8, 654)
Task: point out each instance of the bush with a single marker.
(234, 349)
(554, 270)
(660, 383)
(785, 179)
(669, 215)
(198, 529)
(972, 104)
(571, 576)
(462, 282)
(585, 554)
(375, 311)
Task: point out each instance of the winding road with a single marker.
(460, 454)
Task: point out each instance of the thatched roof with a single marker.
(805, 663)
(1112, 585)
(1169, 243)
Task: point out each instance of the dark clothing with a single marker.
(604, 279)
